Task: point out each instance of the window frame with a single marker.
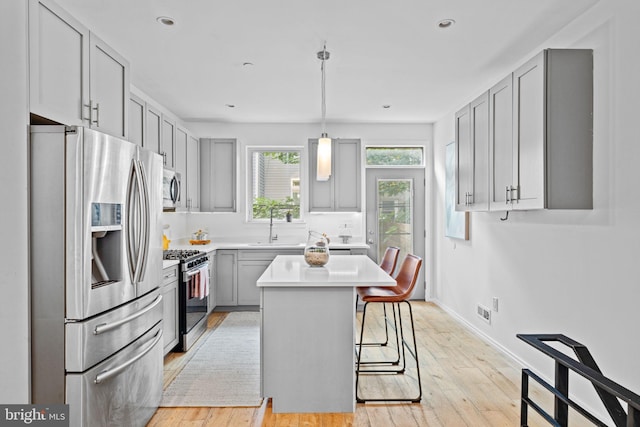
(422, 164)
(250, 150)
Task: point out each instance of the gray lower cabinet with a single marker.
(237, 272)
(226, 285)
(342, 192)
(211, 301)
(170, 300)
(249, 271)
(251, 265)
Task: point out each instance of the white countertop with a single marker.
(340, 271)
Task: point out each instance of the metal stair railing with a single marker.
(608, 390)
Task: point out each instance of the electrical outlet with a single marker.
(484, 312)
(495, 304)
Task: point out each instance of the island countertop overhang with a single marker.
(340, 271)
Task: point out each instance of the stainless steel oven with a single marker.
(193, 295)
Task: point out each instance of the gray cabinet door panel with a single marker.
(528, 131)
(226, 278)
(153, 119)
(248, 274)
(58, 64)
(464, 161)
(137, 131)
(479, 188)
(500, 142)
(217, 175)
(347, 170)
(168, 142)
(320, 192)
(109, 89)
(342, 192)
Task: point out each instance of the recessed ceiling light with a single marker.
(165, 20)
(230, 105)
(446, 23)
(386, 106)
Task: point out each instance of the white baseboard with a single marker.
(472, 328)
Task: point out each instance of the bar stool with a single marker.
(388, 265)
(406, 280)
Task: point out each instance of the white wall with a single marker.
(561, 271)
(228, 226)
(14, 268)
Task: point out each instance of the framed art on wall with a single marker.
(456, 223)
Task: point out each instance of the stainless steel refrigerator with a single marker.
(96, 267)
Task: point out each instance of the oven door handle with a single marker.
(106, 327)
(105, 375)
(187, 274)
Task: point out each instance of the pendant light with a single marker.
(323, 169)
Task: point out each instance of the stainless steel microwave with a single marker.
(171, 184)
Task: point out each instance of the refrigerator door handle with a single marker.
(131, 232)
(146, 220)
(106, 327)
(140, 222)
(105, 375)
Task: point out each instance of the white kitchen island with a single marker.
(308, 331)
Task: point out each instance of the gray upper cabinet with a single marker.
(168, 142)
(541, 134)
(217, 175)
(181, 165)
(500, 143)
(464, 159)
(74, 77)
(472, 148)
(153, 122)
(553, 131)
(109, 89)
(137, 133)
(193, 174)
(58, 64)
(342, 192)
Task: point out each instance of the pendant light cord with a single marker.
(324, 97)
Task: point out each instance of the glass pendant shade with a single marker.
(323, 169)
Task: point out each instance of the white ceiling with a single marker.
(382, 52)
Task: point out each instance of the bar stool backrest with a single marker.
(390, 259)
(407, 276)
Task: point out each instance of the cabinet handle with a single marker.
(506, 195)
(164, 158)
(97, 108)
(90, 107)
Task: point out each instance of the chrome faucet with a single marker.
(271, 237)
(276, 208)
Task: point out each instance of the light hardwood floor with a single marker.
(465, 382)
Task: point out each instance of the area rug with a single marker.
(225, 371)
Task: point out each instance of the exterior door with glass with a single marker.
(395, 215)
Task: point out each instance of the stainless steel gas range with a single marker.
(193, 294)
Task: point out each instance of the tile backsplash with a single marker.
(232, 227)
